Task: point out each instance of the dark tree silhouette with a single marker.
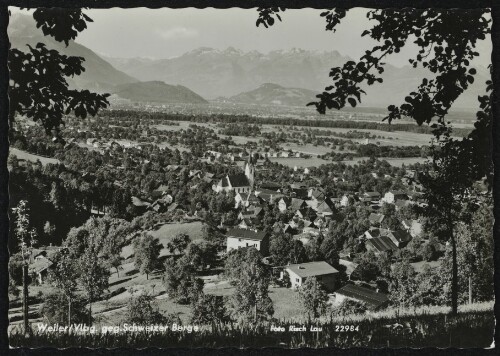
(38, 86)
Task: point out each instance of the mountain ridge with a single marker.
(214, 73)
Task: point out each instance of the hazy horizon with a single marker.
(168, 33)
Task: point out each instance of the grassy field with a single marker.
(166, 232)
(396, 138)
(31, 157)
(299, 162)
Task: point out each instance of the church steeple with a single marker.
(250, 170)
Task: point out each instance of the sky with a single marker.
(166, 33)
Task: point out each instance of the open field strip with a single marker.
(31, 157)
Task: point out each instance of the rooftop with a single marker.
(238, 180)
(311, 269)
(370, 297)
(246, 234)
(382, 243)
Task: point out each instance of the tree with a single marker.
(284, 249)
(26, 241)
(146, 253)
(201, 254)
(64, 275)
(403, 284)
(56, 308)
(313, 297)
(348, 307)
(448, 54)
(210, 309)
(391, 219)
(368, 269)
(93, 275)
(38, 87)
(178, 243)
(181, 282)
(250, 300)
(142, 310)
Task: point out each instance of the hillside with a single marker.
(158, 92)
(274, 94)
(99, 75)
(213, 73)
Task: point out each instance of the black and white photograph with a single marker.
(248, 178)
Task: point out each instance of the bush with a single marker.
(55, 309)
(143, 310)
(348, 307)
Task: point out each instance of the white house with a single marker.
(325, 274)
(241, 238)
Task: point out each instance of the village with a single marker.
(304, 211)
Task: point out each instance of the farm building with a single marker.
(372, 299)
(325, 274)
(40, 268)
(381, 240)
(240, 238)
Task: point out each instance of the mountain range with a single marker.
(282, 77)
(216, 73)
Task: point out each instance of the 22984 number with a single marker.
(345, 328)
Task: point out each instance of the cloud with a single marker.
(177, 32)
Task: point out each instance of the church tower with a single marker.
(250, 170)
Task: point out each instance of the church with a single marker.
(240, 182)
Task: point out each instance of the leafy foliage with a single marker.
(146, 253)
(142, 309)
(56, 306)
(181, 282)
(38, 86)
(210, 310)
(313, 297)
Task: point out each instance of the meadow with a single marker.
(32, 157)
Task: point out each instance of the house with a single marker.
(246, 199)
(140, 204)
(271, 186)
(39, 268)
(392, 196)
(382, 240)
(269, 196)
(316, 194)
(174, 206)
(372, 299)
(246, 223)
(300, 190)
(376, 219)
(347, 199)
(306, 213)
(324, 209)
(239, 238)
(293, 204)
(326, 274)
(398, 204)
(368, 197)
(413, 227)
(350, 268)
